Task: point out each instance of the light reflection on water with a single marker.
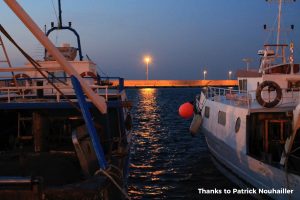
(166, 162)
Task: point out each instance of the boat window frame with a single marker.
(242, 84)
(56, 79)
(207, 111)
(222, 118)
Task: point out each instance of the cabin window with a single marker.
(237, 125)
(293, 86)
(59, 76)
(243, 85)
(206, 111)
(222, 118)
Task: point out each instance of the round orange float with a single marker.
(186, 110)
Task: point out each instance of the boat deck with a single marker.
(34, 95)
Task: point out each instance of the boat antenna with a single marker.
(280, 3)
(61, 27)
(59, 15)
(278, 23)
(278, 45)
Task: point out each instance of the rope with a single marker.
(113, 181)
(116, 168)
(55, 11)
(97, 66)
(36, 66)
(8, 61)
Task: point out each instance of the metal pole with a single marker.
(278, 25)
(279, 21)
(59, 17)
(147, 72)
(98, 101)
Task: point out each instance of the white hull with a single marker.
(230, 149)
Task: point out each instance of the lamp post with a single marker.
(247, 61)
(204, 74)
(147, 60)
(229, 75)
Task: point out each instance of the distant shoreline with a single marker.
(176, 83)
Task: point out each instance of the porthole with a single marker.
(237, 124)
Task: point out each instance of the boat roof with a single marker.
(248, 73)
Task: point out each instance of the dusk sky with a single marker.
(182, 36)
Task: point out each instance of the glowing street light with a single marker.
(229, 74)
(204, 74)
(147, 60)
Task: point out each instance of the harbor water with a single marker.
(166, 161)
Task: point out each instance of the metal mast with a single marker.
(279, 22)
(59, 15)
(98, 101)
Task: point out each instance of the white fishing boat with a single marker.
(253, 133)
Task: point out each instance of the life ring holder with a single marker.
(269, 84)
(27, 79)
(91, 75)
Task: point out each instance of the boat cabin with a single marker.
(269, 96)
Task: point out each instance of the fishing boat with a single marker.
(65, 131)
(253, 132)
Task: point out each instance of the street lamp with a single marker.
(247, 61)
(204, 74)
(229, 74)
(147, 60)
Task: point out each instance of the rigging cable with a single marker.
(55, 11)
(107, 174)
(97, 66)
(56, 15)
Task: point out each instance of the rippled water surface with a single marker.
(166, 161)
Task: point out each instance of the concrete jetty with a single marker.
(178, 83)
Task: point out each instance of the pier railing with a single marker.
(290, 97)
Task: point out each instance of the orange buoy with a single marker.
(186, 110)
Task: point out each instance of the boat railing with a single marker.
(28, 87)
(248, 98)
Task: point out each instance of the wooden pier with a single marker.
(178, 83)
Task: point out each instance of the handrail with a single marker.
(248, 97)
(12, 91)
